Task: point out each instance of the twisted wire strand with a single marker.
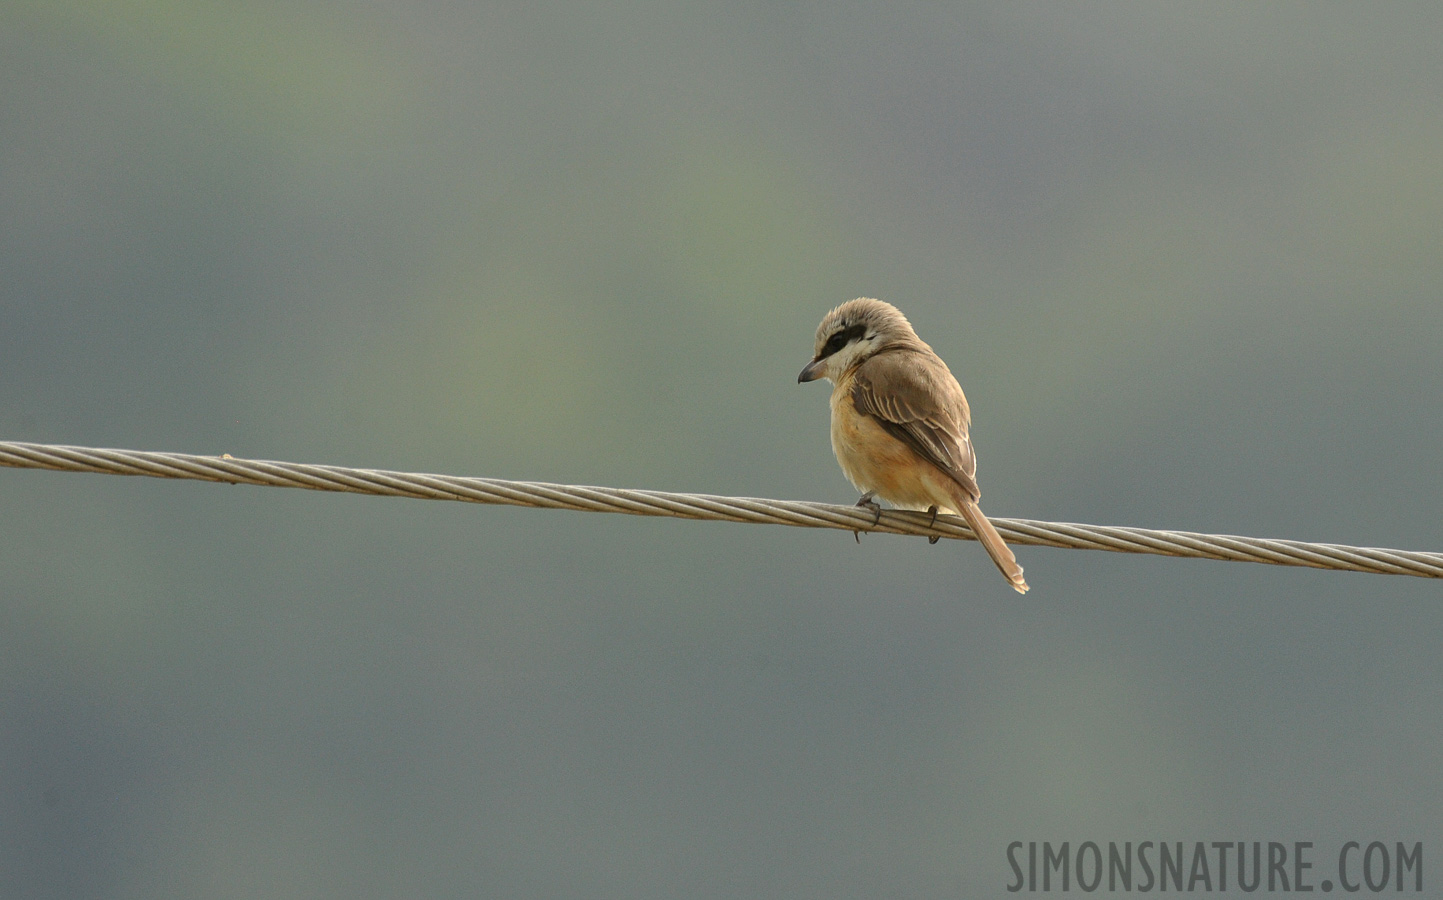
(803, 514)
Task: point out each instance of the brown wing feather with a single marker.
(915, 398)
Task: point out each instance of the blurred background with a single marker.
(1184, 259)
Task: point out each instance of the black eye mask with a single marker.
(841, 339)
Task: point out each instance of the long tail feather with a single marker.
(994, 545)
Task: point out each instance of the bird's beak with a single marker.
(812, 372)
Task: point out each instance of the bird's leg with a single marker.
(868, 503)
(936, 537)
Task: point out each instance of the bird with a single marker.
(900, 420)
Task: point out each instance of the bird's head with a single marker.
(853, 332)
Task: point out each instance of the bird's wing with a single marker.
(915, 398)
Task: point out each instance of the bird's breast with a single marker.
(874, 460)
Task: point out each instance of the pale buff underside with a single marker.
(874, 460)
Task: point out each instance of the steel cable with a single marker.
(803, 514)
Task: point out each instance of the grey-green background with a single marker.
(1185, 259)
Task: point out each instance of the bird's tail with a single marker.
(994, 545)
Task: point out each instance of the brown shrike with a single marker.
(899, 420)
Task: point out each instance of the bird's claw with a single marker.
(868, 503)
(932, 539)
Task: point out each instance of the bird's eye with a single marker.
(843, 338)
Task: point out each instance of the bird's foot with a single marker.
(936, 537)
(868, 503)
